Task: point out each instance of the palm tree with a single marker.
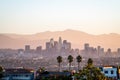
(59, 60)
(70, 60)
(79, 59)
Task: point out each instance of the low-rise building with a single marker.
(109, 71)
(18, 74)
(49, 74)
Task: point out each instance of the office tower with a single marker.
(60, 40)
(118, 50)
(109, 51)
(99, 49)
(55, 44)
(38, 49)
(27, 48)
(60, 43)
(69, 46)
(47, 45)
(102, 50)
(51, 43)
(64, 44)
(86, 46)
(95, 50)
(91, 50)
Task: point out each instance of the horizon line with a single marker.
(58, 31)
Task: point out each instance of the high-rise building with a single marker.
(51, 43)
(55, 44)
(64, 44)
(99, 49)
(47, 45)
(60, 40)
(86, 46)
(118, 50)
(38, 49)
(68, 45)
(60, 43)
(102, 50)
(109, 50)
(27, 48)
(64, 41)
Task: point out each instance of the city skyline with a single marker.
(30, 17)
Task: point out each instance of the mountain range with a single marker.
(77, 39)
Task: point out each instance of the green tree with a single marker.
(59, 60)
(90, 72)
(79, 59)
(90, 62)
(70, 60)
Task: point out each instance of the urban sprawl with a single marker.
(59, 61)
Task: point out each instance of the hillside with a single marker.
(77, 38)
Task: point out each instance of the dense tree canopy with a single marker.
(90, 72)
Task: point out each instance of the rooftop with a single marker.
(18, 70)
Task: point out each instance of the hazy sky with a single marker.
(32, 16)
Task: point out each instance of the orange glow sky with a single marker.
(32, 16)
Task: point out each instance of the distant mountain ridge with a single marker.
(77, 38)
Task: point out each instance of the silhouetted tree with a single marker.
(90, 62)
(1, 72)
(59, 60)
(70, 60)
(79, 59)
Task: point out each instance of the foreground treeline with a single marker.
(89, 72)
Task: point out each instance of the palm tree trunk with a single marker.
(78, 66)
(69, 66)
(59, 67)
